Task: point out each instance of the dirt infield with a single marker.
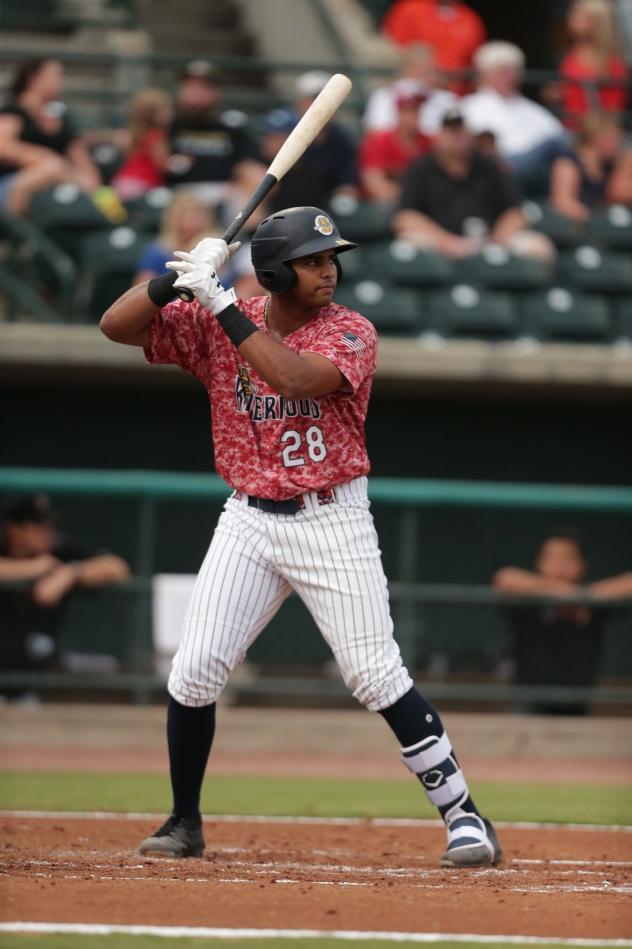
(344, 875)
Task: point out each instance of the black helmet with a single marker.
(288, 235)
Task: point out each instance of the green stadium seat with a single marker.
(596, 271)
(612, 227)
(401, 262)
(562, 314)
(145, 213)
(469, 311)
(393, 311)
(622, 312)
(361, 221)
(66, 215)
(561, 229)
(110, 261)
(497, 268)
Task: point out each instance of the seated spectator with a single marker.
(185, 221)
(43, 568)
(385, 155)
(559, 643)
(328, 166)
(417, 77)
(454, 200)
(206, 144)
(593, 57)
(598, 171)
(39, 147)
(452, 29)
(528, 136)
(147, 150)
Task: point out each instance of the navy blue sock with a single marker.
(190, 733)
(413, 718)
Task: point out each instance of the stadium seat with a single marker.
(401, 262)
(145, 213)
(596, 271)
(612, 227)
(392, 310)
(496, 268)
(622, 313)
(561, 229)
(361, 221)
(67, 215)
(468, 311)
(561, 314)
(110, 262)
(108, 159)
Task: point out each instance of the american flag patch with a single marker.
(354, 342)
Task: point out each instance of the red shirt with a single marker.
(267, 445)
(578, 99)
(454, 33)
(387, 151)
(140, 163)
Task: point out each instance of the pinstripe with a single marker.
(329, 554)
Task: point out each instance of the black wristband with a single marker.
(160, 290)
(236, 326)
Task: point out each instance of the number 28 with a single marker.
(314, 442)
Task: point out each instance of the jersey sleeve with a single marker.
(179, 335)
(350, 343)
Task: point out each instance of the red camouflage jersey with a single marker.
(267, 445)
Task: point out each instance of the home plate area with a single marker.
(360, 876)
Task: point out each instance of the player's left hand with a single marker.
(210, 250)
(202, 280)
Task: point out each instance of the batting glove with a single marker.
(210, 250)
(202, 280)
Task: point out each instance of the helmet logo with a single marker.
(323, 225)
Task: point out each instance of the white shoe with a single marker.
(472, 842)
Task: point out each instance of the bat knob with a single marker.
(186, 296)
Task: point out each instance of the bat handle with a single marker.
(262, 190)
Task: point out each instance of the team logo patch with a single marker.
(323, 225)
(353, 342)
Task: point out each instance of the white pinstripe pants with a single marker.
(329, 554)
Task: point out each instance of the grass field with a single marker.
(77, 791)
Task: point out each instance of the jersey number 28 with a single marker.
(314, 442)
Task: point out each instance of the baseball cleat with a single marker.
(472, 842)
(178, 837)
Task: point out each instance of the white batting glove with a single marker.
(202, 280)
(210, 250)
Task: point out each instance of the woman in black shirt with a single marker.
(38, 145)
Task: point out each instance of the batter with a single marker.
(289, 377)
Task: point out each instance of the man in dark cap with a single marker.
(39, 567)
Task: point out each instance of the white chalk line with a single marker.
(344, 935)
(335, 821)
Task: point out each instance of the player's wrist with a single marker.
(223, 299)
(161, 290)
(235, 324)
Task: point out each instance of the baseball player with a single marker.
(288, 376)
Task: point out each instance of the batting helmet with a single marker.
(288, 235)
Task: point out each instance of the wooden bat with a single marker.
(301, 136)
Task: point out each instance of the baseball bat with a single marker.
(301, 136)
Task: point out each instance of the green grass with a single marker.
(320, 797)
(121, 941)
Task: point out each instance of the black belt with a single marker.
(289, 506)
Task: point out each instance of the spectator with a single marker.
(598, 171)
(592, 58)
(44, 567)
(417, 77)
(454, 200)
(185, 221)
(207, 145)
(451, 28)
(559, 643)
(527, 135)
(148, 150)
(38, 144)
(385, 155)
(328, 166)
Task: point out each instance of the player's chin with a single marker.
(324, 295)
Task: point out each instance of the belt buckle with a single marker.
(326, 497)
